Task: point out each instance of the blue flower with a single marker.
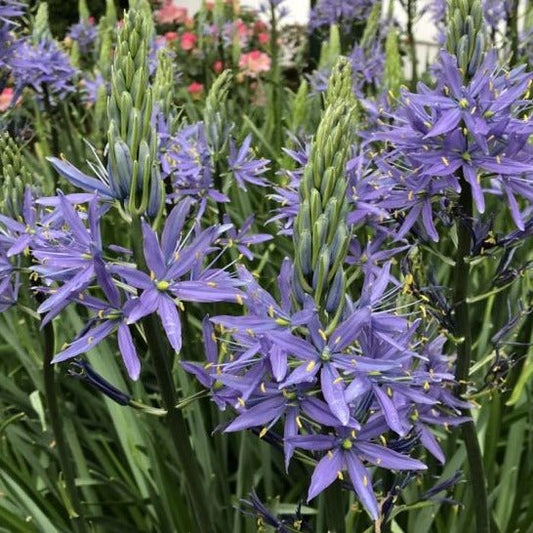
(165, 287)
(42, 67)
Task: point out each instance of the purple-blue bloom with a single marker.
(84, 33)
(44, 67)
(341, 12)
(346, 451)
(476, 130)
(242, 239)
(176, 274)
(243, 167)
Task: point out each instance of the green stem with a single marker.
(315, 45)
(51, 395)
(335, 508)
(512, 31)
(464, 357)
(411, 10)
(219, 185)
(161, 356)
(276, 82)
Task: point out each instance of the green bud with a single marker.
(466, 34)
(372, 26)
(83, 10)
(41, 28)
(305, 253)
(335, 299)
(14, 177)
(320, 226)
(320, 275)
(299, 107)
(320, 230)
(164, 82)
(393, 74)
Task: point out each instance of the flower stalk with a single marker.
(464, 356)
(51, 395)
(467, 41)
(177, 426)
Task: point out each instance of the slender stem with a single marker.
(51, 394)
(177, 426)
(411, 11)
(464, 356)
(315, 44)
(512, 30)
(221, 206)
(53, 129)
(276, 80)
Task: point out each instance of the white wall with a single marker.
(299, 12)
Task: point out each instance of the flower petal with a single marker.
(325, 473)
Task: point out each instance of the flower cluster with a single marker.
(363, 393)
(341, 12)
(44, 67)
(72, 261)
(84, 33)
(477, 129)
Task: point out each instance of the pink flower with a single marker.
(170, 36)
(218, 66)
(259, 26)
(196, 90)
(170, 13)
(188, 41)
(254, 62)
(5, 98)
(242, 31)
(263, 38)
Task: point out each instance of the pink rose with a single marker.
(188, 41)
(195, 90)
(5, 98)
(254, 62)
(169, 13)
(218, 66)
(263, 38)
(170, 36)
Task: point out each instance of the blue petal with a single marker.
(325, 473)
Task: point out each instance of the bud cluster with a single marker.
(14, 176)
(321, 235)
(131, 136)
(466, 35)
